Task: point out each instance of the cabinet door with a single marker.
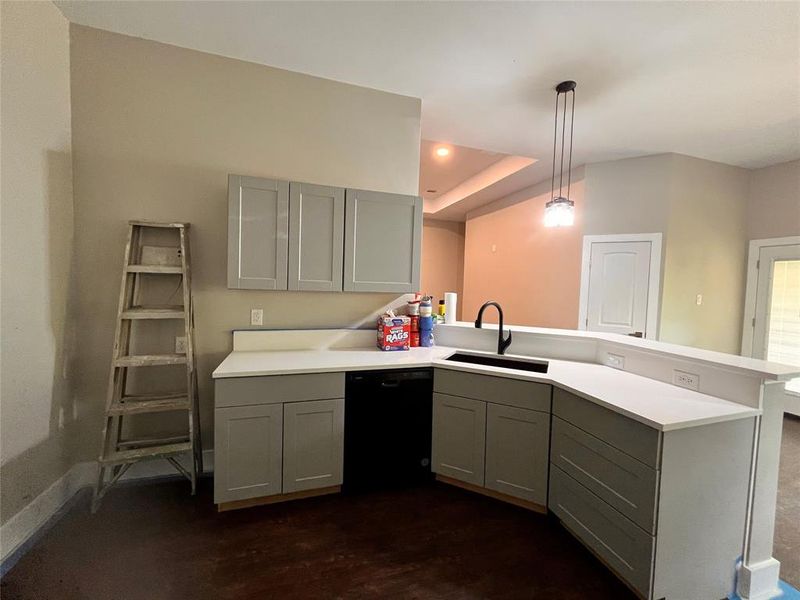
(517, 443)
(313, 444)
(258, 233)
(316, 237)
(247, 452)
(459, 438)
(383, 242)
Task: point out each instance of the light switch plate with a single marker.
(690, 381)
(615, 360)
(256, 316)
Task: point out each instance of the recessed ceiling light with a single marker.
(442, 151)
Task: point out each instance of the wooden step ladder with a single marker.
(118, 453)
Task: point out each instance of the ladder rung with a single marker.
(131, 406)
(157, 269)
(150, 360)
(124, 456)
(147, 443)
(154, 312)
(157, 224)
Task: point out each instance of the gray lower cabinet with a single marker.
(459, 438)
(665, 510)
(517, 443)
(383, 242)
(625, 547)
(248, 442)
(258, 233)
(492, 432)
(313, 444)
(623, 482)
(316, 237)
(277, 435)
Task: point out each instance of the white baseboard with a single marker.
(24, 525)
(759, 581)
(19, 528)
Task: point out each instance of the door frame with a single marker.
(654, 284)
(753, 253)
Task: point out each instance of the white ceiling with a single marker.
(440, 174)
(717, 80)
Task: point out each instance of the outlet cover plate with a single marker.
(690, 381)
(616, 361)
(257, 316)
(180, 345)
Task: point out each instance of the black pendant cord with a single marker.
(563, 133)
(555, 138)
(571, 130)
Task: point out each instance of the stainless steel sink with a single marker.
(500, 361)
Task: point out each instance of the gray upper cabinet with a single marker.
(316, 237)
(258, 233)
(383, 242)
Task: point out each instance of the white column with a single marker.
(759, 573)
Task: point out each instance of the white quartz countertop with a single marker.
(654, 403)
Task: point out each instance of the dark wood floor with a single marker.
(155, 542)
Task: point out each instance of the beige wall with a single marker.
(37, 229)
(442, 259)
(628, 196)
(773, 208)
(533, 271)
(705, 254)
(156, 131)
(699, 206)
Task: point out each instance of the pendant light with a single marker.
(560, 210)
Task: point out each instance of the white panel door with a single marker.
(619, 278)
(776, 326)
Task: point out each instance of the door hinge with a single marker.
(754, 322)
(758, 264)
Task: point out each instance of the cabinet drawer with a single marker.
(273, 389)
(636, 439)
(620, 543)
(500, 390)
(625, 483)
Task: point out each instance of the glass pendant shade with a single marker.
(559, 212)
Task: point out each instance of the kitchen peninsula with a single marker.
(661, 482)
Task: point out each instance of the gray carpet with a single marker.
(787, 520)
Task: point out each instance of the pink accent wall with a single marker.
(442, 268)
(534, 271)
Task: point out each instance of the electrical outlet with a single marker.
(615, 360)
(256, 316)
(689, 381)
(699, 299)
(180, 345)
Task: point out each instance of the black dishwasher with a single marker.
(387, 429)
